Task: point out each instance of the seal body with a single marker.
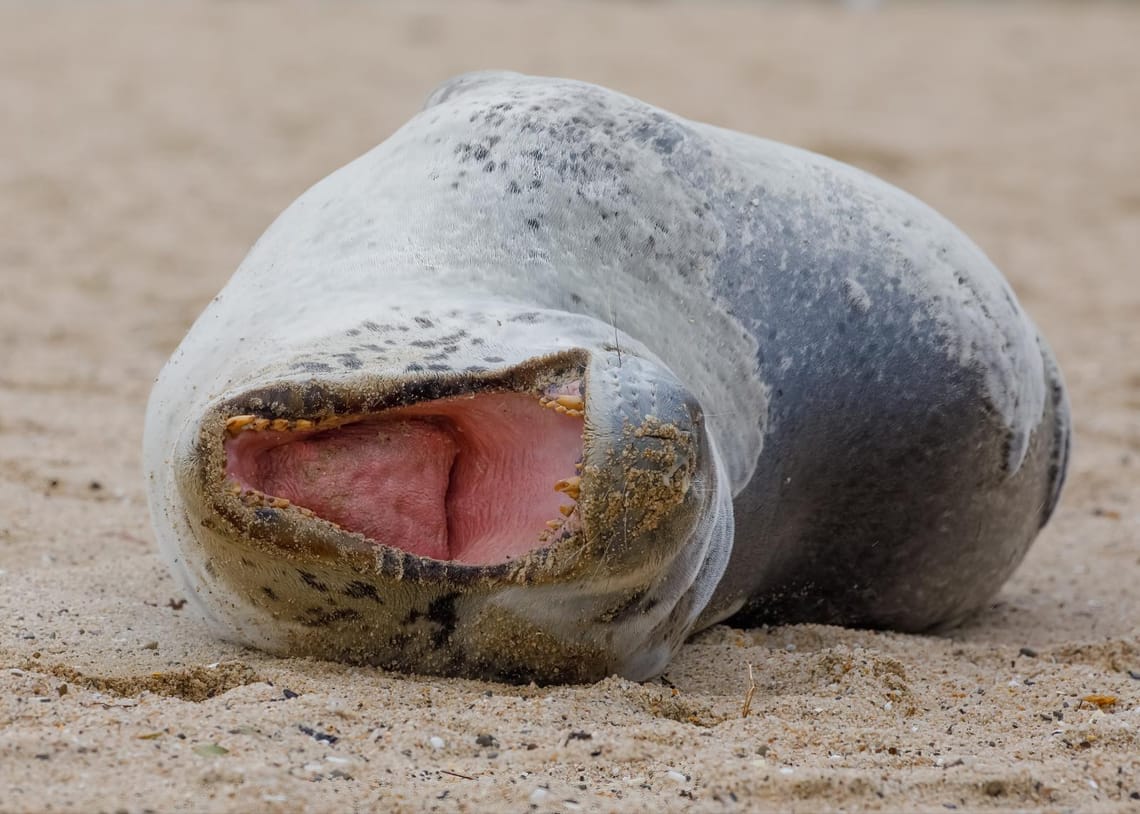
(552, 378)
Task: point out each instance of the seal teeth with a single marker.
(557, 406)
(566, 509)
(570, 486)
(255, 498)
(565, 400)
(238, 423)
(252, 497)
(575, 403)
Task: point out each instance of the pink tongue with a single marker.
(386, 480)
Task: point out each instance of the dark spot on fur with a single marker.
(358, 589)
(349, 360)
(528, 317)
(474, 369)
(319, 617)
(413, 368)
(269, 593)
(312, 581)
(438, 368)
(532, 223)
(489, 166)
(514, 188)
(313, 367)
(441, 611)
(424, 322)
(492, 359)
(422, 343)
(480, 153)
(265, 514)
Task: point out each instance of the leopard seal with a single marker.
(552, 378)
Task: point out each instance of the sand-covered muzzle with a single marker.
(561, 519)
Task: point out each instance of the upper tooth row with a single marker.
(573, 406)
(237, 423)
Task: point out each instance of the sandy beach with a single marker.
(146, 146)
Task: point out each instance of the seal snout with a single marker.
(648, 463)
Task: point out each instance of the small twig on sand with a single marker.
(455, 774)
(746, 707)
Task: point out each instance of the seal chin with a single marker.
(574, 497)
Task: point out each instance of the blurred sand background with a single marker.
(145, 146)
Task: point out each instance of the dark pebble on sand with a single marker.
(323, 737)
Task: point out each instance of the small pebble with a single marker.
(436, 742)
(538, 796)
(676, 777)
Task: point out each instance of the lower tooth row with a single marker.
(252, 497)
(570, 521)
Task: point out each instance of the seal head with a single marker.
(553, 519)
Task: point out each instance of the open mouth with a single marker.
(478, 479)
